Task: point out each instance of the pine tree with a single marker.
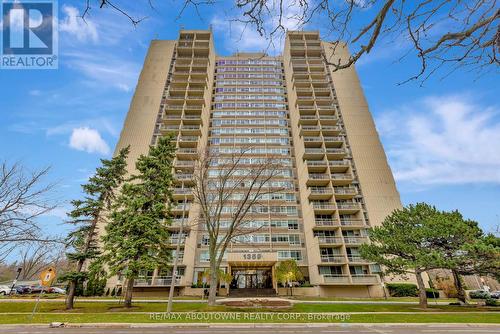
(99, 194)
(136, 238)
(401, 244)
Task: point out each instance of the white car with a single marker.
(5, 290)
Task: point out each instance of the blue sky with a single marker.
(442, 139)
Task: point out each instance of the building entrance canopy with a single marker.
(252, 259)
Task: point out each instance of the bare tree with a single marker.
(229, 191)
(32, 260)
(441, 34)
(23, 199)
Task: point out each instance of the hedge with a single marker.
(402, 289)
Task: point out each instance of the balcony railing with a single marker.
(345, 191)
(336, 279)
(321, 190)
(355, 240)
(318, 206)
(365, 279)
(352, 222)
(329, 240)
(348, 206)
(318, 177)
(326, 222)
(355, 258)
(333, 258)
(156, 281)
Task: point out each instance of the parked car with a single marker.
(55, 289)
(5, 289)
(22, 289)
(38, 289)
(479, 294)
(495, 295)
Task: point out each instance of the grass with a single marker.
(354, 318)
(113, 307)
(96, 312)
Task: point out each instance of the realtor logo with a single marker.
(29, 34)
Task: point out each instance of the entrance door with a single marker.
(250, 278)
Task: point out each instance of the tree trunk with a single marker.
(70, 297)
(213, 285)
(461, 296)
(422, 296)
(128, 293)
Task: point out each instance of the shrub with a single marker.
(402, 289)
(479, 294)
(432, 293)
(491, 302)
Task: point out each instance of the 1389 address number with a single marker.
(252, 256)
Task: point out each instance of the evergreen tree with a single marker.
(401, 244)
(99, 194)
(136, 238)
(467, 250)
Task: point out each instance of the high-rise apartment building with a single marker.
(335, 176)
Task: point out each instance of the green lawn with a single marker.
(354, 318)
(100, 307)
(95, 312)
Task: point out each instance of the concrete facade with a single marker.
(337, 179)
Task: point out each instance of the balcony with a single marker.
(188, 177)
(356, 259)
(333, 258)
(339, 165)
(188, 141)
(365, 279)
(352, 222)
(168, 128)
(309, 130)
(345, 192)
(316, 165)
(184, 164)
(329, 240)
(320, 193)
(156, 281)
(348, 208)
(355, 240)
(191, 130)
(341, 179)
(308, 120)
(180, 193)
(335, 279)
(334, 141)
(181, 207)
(317, 179)
(324, 208)
(313, 153)
(186, 153)
(329, 223)
(330, 130)
(335, 153)
(313, 141)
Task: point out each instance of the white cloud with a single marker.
(75, 26)
(88, 140)
(243, 37)
(35, 92)
(105, 70)
(443, 140)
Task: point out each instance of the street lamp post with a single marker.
(15, 281)
(176, 257)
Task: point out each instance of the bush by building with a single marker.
(402, 290)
